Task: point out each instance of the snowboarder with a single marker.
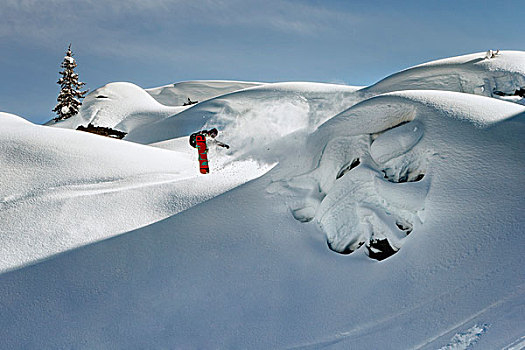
(198, 140)
(212, 134)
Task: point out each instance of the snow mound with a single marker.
(64, 188)
(395, 143)
(251, 119)
(473, 73)
(377, 161)
(121, 106)
(177, 94)
(239, 267)
(129, 108)
(429, 180)
(12, 119)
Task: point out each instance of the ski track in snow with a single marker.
(518, 344)
(373, 327)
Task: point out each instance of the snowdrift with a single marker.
(252, 118)
(120, 106)
(250, 276)
(125, 106)
(64, 188)
(375, 163)
(234, 105)
(415, 182)
(498, 77)
(178, 94)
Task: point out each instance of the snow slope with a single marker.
(121, 106)
(250, 276)
(472, 73)
(256, 116)
(127, 107)
(398, 141)
(63, 188)
(167, 258)
(177, 94)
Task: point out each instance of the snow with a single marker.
(397, 142)
(69, 188)
(471, 73)
(10, 119)
(464, 340)
(122, 106)
(386, 180)
(251, 118)
(177, 94)
(123, 244)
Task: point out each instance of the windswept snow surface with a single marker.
(399, 140)
(177, 94)
(257, 116)
(219, 261)
(64, 188)
(473, 73)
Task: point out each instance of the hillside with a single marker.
(383, 217)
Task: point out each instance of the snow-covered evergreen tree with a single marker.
(70, 93)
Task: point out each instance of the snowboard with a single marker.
(203, 154)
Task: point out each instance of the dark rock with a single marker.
(380, 249)
(100, 130)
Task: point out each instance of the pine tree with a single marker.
(70, 94)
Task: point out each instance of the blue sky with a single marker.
(157, 42)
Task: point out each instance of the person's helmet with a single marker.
(193, 140)
(213, 132)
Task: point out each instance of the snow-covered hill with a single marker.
(422, 171)
(63, 188)
(375, 163)
(477, 74)
(252, 118)
(197, 91)
(121, 106)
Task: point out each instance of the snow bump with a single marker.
(395, 142)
